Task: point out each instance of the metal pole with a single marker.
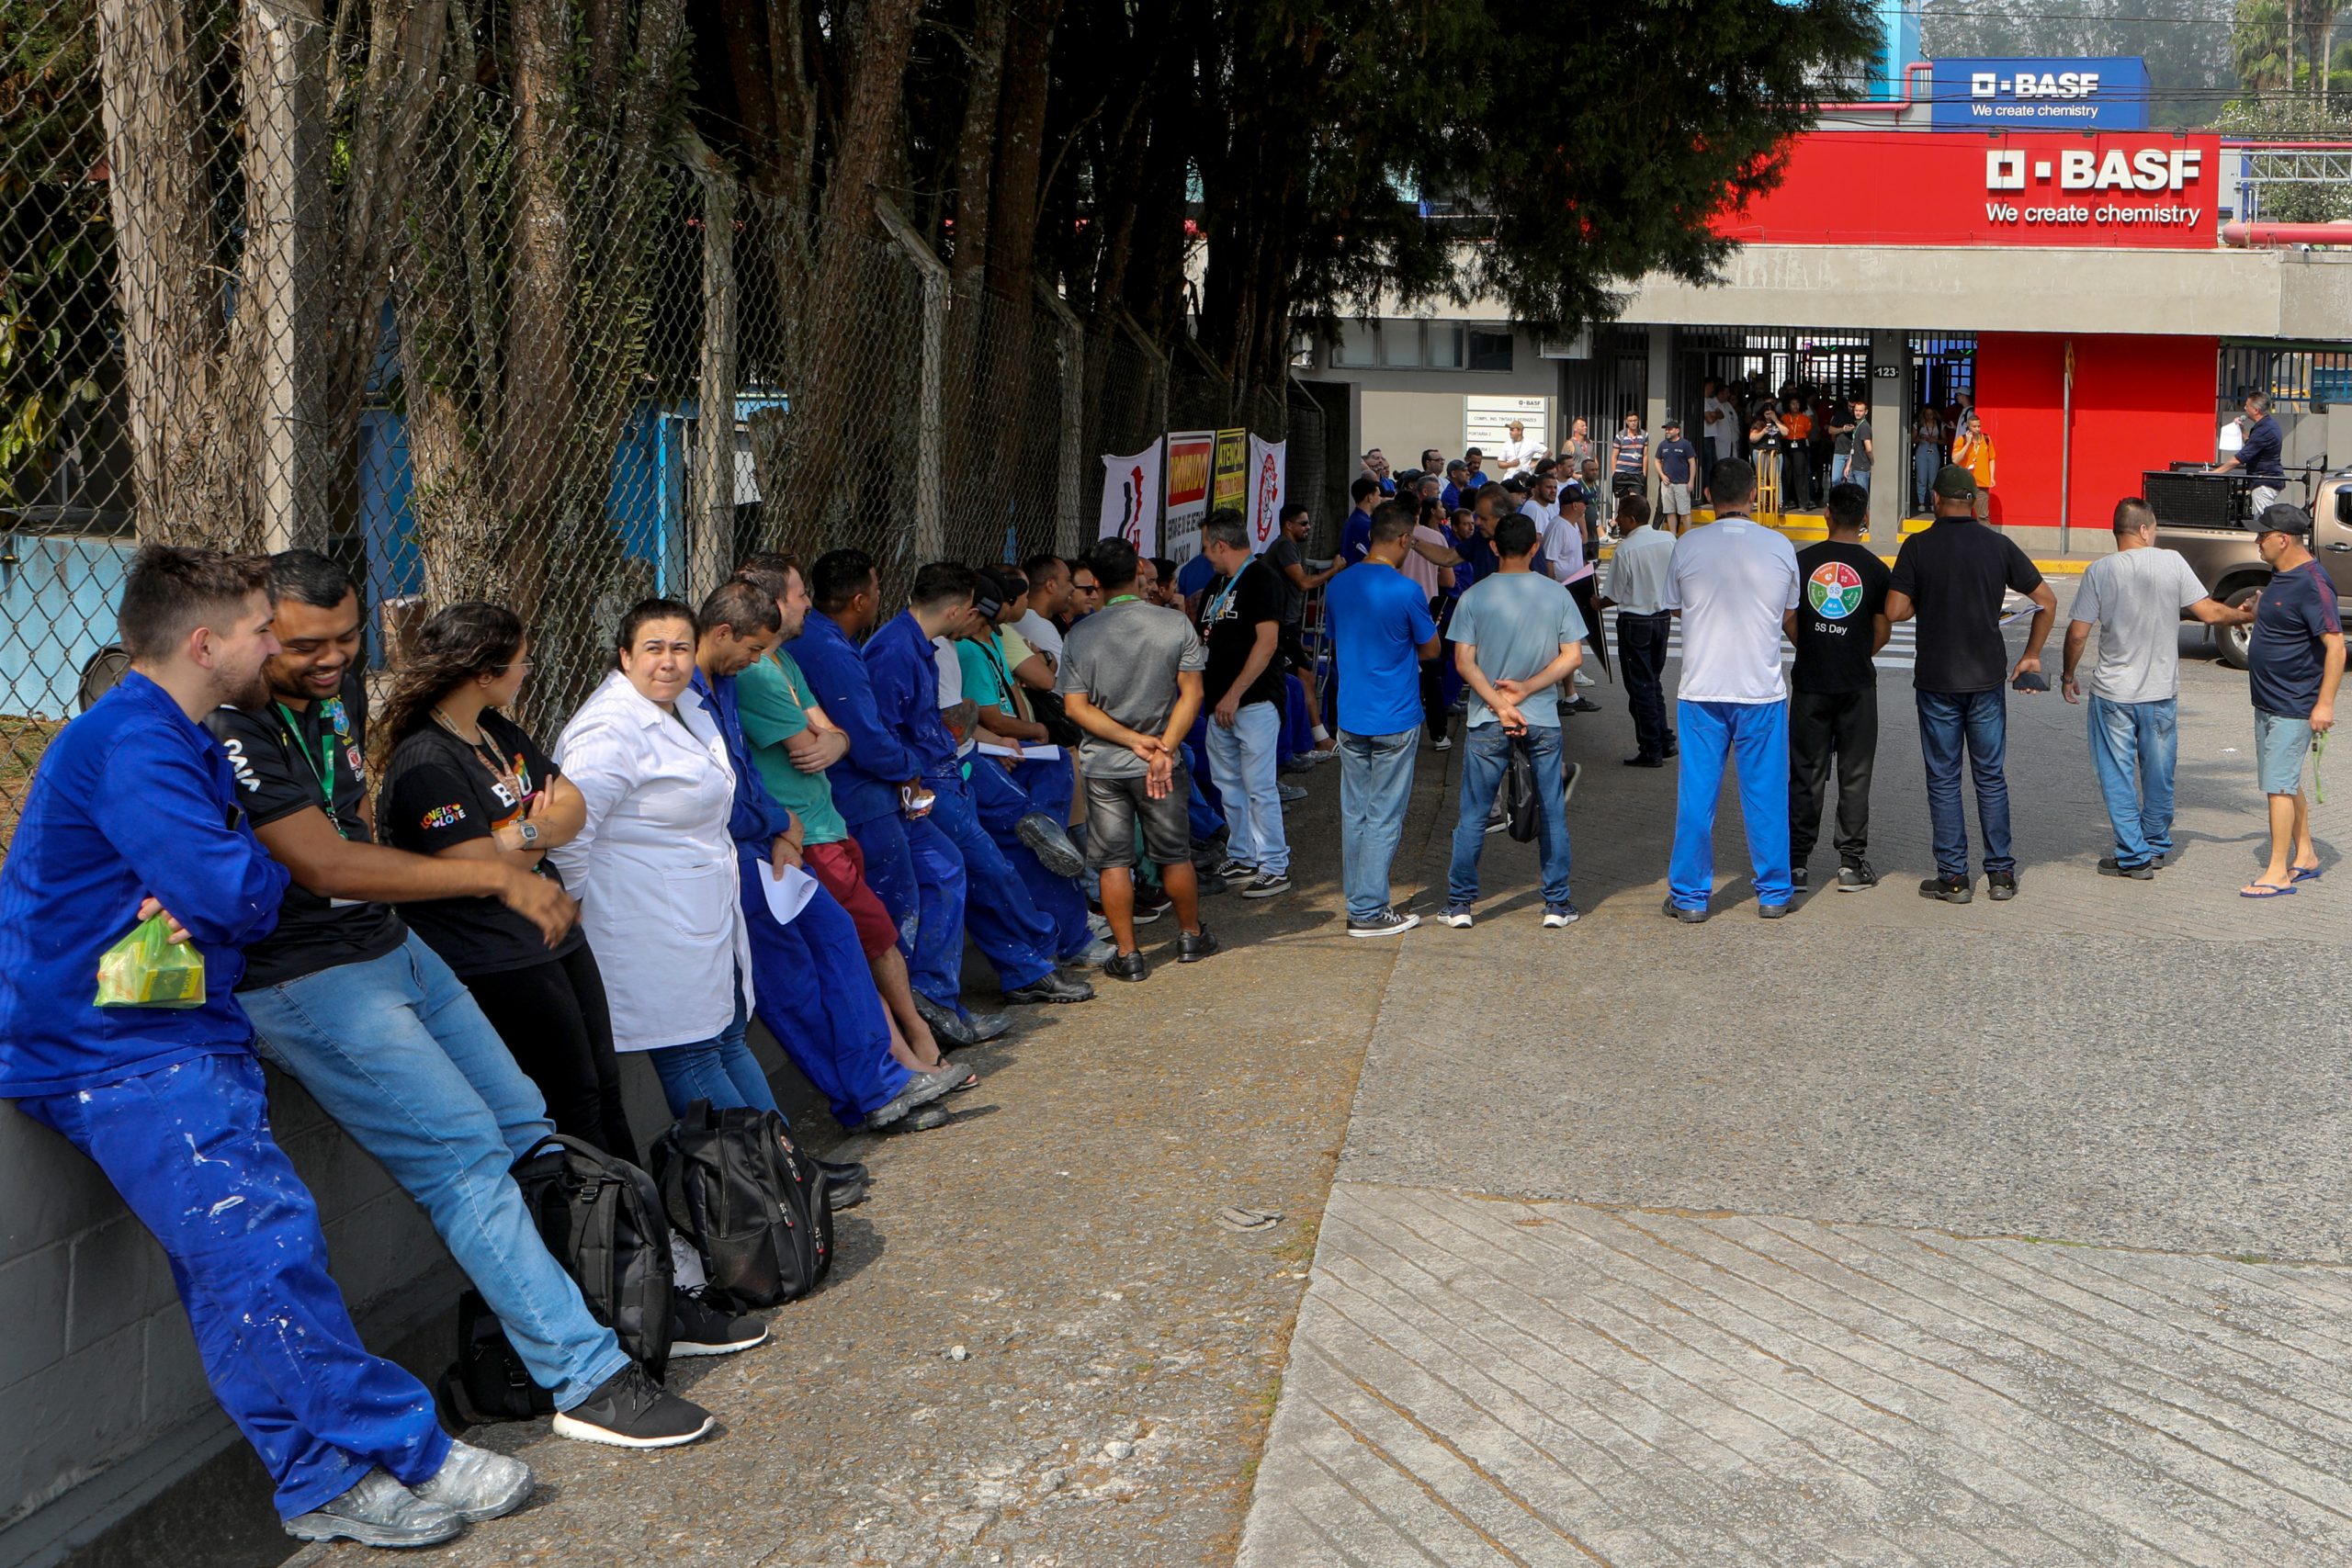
(2065, 451)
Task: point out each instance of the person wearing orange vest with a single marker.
(1973, 450)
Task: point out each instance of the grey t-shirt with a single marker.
(1125, 659)
(2136, 598)
(1858, 456)
(1281, 554)
(1517, 620)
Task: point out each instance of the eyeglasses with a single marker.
(524, 665)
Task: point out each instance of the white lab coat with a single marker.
(654, 869)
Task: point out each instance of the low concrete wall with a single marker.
(103, 1401)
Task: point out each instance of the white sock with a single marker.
(1321, 733)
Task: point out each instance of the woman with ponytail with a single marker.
(462, 779)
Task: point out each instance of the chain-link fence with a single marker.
(276, 276)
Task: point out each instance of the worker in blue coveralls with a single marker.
(133, 811)
(903, 664)
(810, 984)
(872, 783)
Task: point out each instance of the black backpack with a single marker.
(755, 1207)
(602, 1219)
(1522, 810)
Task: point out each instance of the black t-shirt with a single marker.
(1281, 554)
(1231, 612)
(438, 792)
(1955, 573)
(288, 761)
(1844, 592)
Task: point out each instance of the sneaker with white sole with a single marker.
(1457, 916)
(698, 1328)
(630, 1410)
(1290, 794)
(1266, 884)
(1558, 915)
(1236, 870)
(1388, 922)
(476, 1485)
(1093, 955)
(1585, 680)
(378, 1511)
(1568, 785)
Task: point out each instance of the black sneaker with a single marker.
(697, 1328)
(1052, 988)
(1674, 912)
(1194, 946)
(1266, 884)
(1049, 841)
(1951, 889)
(1149, 906)
(1644, 762)
(1855, 877)
(1584, 705)
(2144, 871)
(1388, 922)
(1773, 911)
(844, 1181)
(1208, 884)
(628, 1410)
(1801, 878)
(1236, 870)
(1128, 966)
(2001, 885)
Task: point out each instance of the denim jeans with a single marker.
(1926, 462)
(1979, 720)
(722, 1068)
(395, 1050)
(1837, 472)
(2141, 737)
(188, 1147)
(1486, 751)
(1375, 785)
(1757, 735)
(1241, 760)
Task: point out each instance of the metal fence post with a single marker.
(930, 454)
(1070, 356)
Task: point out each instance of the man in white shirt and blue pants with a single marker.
(1731, 582)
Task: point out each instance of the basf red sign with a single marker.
(1869, 187)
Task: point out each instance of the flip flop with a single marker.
(2310, 873)
(2267, 892)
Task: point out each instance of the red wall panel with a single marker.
(2139, 403)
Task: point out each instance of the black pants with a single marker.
(1796, 479)
(1821, 723)
(554, 1019)
(1433, 712)
(1581, 591)
(1641, 644)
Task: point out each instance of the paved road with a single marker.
(1891, 1233)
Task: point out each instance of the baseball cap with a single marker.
(2282, 517)
(1955, 483)
(1673, 422)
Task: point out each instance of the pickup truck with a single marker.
(2222, 554)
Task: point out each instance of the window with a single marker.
(1358, 345)
(1489, 348)
(1400, 344)
(1445, 344)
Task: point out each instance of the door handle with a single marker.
(2341, 549)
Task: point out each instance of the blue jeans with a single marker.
(188, 1147)
(1375, 784)
(1981, 721)
(1836, 471)
(396, 1051)
(1926, 462)
(1755, 734)
(2144, 737)
(1242, 762)
(1486, 752)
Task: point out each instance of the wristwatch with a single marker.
(530, 831)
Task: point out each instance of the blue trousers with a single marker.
(1755, 734)
(1375, 787)
(998, 911)
(813, 989)
(2142, 738)
(1979, 723)
(1196, 746)
(189, 1149)
(915, 870)
(397, 1052)
(1002, 799)
(1486, 751)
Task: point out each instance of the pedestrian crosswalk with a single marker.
(1901, 653)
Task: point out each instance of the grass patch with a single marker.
(22, 740)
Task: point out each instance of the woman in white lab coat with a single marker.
(654, 868)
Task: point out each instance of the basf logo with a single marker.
(2106, 94)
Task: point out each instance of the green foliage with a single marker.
(2186, 49)
(2296, 119)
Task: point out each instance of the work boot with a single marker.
(378, 1511)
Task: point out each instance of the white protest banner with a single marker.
(1267, 460)
(1131, 500)
(1190, 453)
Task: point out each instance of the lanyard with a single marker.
(1215, 609)
(1126, 599)
(322, 766)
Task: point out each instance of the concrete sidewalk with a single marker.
(1890, 1233)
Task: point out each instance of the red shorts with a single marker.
(840, 866)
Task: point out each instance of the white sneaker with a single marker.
(1585, 680)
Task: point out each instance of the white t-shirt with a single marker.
(951, 687)
(1517, 455)
(1724, 434)
(1564, 549)
(1732, 580)
(2136, 598)
(1041, 635)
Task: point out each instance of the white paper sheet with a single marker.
(789, 895)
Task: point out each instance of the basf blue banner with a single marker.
(2109, 93)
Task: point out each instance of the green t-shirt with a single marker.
(773, 699)
(983, 680)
